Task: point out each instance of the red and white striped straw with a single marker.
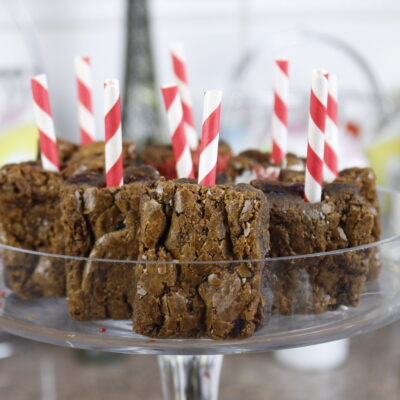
(209, 138)
(83, 74)
(113, 134)
(179, 67)
(331, 169)
(180, 147)
(279, 117)
(45, 124)
(316, 139)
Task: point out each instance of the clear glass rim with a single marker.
(378, 243)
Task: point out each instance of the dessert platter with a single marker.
(297, 317)
(282, 300)
(104, 246)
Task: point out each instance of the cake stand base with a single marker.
(190, 377)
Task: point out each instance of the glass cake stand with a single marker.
(190, 367)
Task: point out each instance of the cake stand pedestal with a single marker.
(190, 377)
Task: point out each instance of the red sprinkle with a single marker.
(102, 330)
(2, 293)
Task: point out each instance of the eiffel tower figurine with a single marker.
(140, 116)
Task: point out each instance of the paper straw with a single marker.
(180, 147)
(45, 124)
(113, 133)
(179, 67)
(279, 116)
(331, 132)
(209, 138)
(316, 139)
(83, 74)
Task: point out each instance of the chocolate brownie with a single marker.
(161, 157)
(341, 220)
(91, 158)
(188, 222)
(65, 150)
(290, 175)
(30, 219)
(365, 179)
(96, 149)
(255, 164)
(102, 222)
(132, 174)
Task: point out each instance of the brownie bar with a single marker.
(161, 157)
(341, 220)
(102, 222)
(365, 179)
(91, 158)
(30, 219)
(187, 222)
(254, 164)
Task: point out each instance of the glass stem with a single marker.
(190, 377)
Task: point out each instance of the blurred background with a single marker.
(230, 45)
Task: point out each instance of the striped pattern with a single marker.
(113, 133)
(209, 138)
(45, 124)
(83, 74)
(179, 67)
(180, 147)
(316, 139)
(279, 116)
(331, 132)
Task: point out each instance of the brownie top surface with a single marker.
(295, 190)
(91, 158)
(157, 152)
(65, 149)
(195, 222)
(24, 177)
(256, 156)
(96, 149)
(133, 173)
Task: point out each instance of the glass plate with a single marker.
(47, 319)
